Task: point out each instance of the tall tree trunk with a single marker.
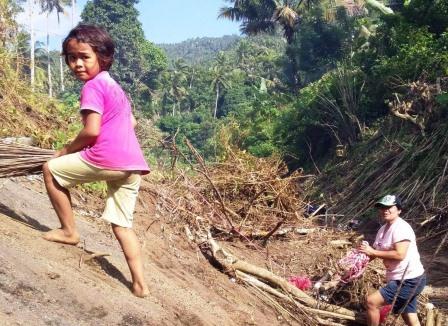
(61, 71)
(31, 14)
(296, 82)
(174, 108)
(216, 101)
(73, 12)
(61, 63)
(50, 82)
(191, 79)
(189, 87)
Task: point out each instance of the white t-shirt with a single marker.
(385, 239)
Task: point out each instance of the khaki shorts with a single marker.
(122, 186)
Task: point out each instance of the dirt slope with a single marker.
(43, 283)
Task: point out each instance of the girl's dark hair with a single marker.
(97, 38)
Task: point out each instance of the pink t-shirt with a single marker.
(116, 147)
(385, 238)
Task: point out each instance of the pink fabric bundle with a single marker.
(354, 265)
(384, 311)
(301, 282)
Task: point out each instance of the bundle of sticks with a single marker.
(18, 160)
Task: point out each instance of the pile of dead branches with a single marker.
(247, 199)
(245, 196)
(253, 199)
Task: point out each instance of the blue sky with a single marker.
(169, 21)
(163, 21)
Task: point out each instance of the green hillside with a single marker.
(197, 50)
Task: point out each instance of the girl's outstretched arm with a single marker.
(88, 134)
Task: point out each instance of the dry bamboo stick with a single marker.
(265, 297)
(438, 318)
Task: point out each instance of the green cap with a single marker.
(389, 200)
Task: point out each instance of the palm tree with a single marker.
(219, 73)
(173, 85)
(177, 90)
(184, 72)
(48, 6)
(180, 67)
(242, 53)
(31, 4)
(264, 16)
(178, 81)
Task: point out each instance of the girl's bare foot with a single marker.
(59, 235)
(140, 290)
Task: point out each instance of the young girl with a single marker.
(105, 149)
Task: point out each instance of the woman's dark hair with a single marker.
(97, 38)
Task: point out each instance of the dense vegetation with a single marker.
(357, 97)
(307, 77)
(199, 49)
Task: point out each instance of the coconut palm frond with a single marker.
(232, 13)
(286, 16)
(257, 26)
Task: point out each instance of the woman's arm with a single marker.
(398, 252)
(88, 134)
